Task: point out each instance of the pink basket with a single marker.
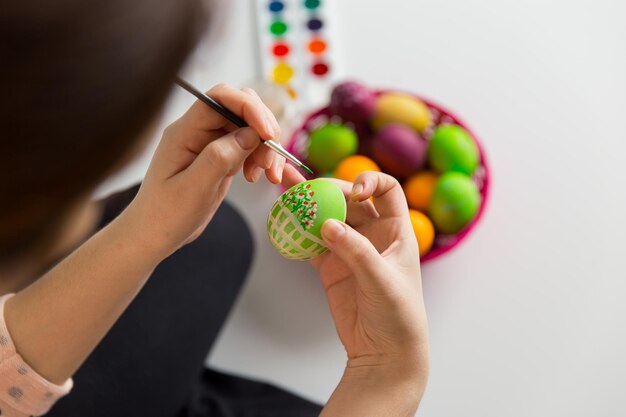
(298, 142)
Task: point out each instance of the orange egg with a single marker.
(352, 166)
(419, 190)
(424, 231)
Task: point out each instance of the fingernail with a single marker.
(256, 173)
(276, 177)
(270, 128)
(269, 160)
(356, 190)
(279, 169)
(332, 230)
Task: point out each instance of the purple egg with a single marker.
(353, 102)
(399, 150)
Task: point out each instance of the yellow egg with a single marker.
(352, 166)
(403, 109)
(424, 231)
(419, 190)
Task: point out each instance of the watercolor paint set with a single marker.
(297, 48)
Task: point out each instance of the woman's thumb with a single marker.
(356, 251)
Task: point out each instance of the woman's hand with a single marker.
(193, 166)
(371, 276)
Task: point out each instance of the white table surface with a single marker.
(528, 316)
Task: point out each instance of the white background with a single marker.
(528, 316)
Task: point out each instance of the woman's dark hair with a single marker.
(81, 81)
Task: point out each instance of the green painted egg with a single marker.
(452, 149)
(455, 202)
(296, 218)
(330, 144)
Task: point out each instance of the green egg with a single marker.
(453, 149)
(295, 221)
(329, 145)
(455, 202)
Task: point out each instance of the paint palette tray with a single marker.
(298, 48)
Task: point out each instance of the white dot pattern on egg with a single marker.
(296, 218)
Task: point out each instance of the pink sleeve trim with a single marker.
(22, 389)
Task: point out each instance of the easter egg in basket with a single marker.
(329, 144)
(455, 202)
(398, 108)
(295, 220)
(452, 149)
(400, 150)
(350, 168)
(423, 229)
(353, 102)
(419, 188)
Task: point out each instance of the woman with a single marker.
(130, 311)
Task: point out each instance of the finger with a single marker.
(263, 157)
(179, 139)
(247, 106)
(258, 161)
(223, 157)
(269, 114)
(275, 173)
(251, 170)
(357, 252)
(389, 198)
(291, 176)
(358, 212)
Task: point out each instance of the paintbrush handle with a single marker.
(238, 121)
(229, 115)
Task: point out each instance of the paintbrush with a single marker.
(239, 122)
